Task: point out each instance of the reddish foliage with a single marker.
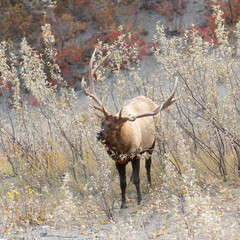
(231, 10)
(112, 36)
(170, 8)
(92, 41)
(153, 45)
(143, 52)
(231, 14)
(51, 81)
(137, 39)
(142, 45)
(70, 81)
(206, 33)
(8, 86)
(76, 75)
(70, 18)
(32, 101)
(17, 22)
(68, 55)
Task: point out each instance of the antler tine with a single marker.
(120, 114)
(157, 110)
(100, 64)
(91, 72)
(93, 95)
(170, 99)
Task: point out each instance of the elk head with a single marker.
(110, 127)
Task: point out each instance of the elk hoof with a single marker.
(123, 205)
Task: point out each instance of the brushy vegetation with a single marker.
(54, 170)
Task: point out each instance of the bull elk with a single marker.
(128, 133)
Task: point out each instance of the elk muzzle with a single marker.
(100, 136)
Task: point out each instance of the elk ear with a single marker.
(121, 121)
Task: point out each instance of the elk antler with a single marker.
(93, 95)
(169, 101)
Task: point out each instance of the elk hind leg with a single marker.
(148, 162)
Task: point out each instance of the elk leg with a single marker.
(148, 168)
(135, 176)
(122, 174)
(148, 162)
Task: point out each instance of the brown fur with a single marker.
(130, 138)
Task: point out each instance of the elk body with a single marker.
(128, 133)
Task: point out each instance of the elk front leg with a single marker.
(122, 174)
(135, 176)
